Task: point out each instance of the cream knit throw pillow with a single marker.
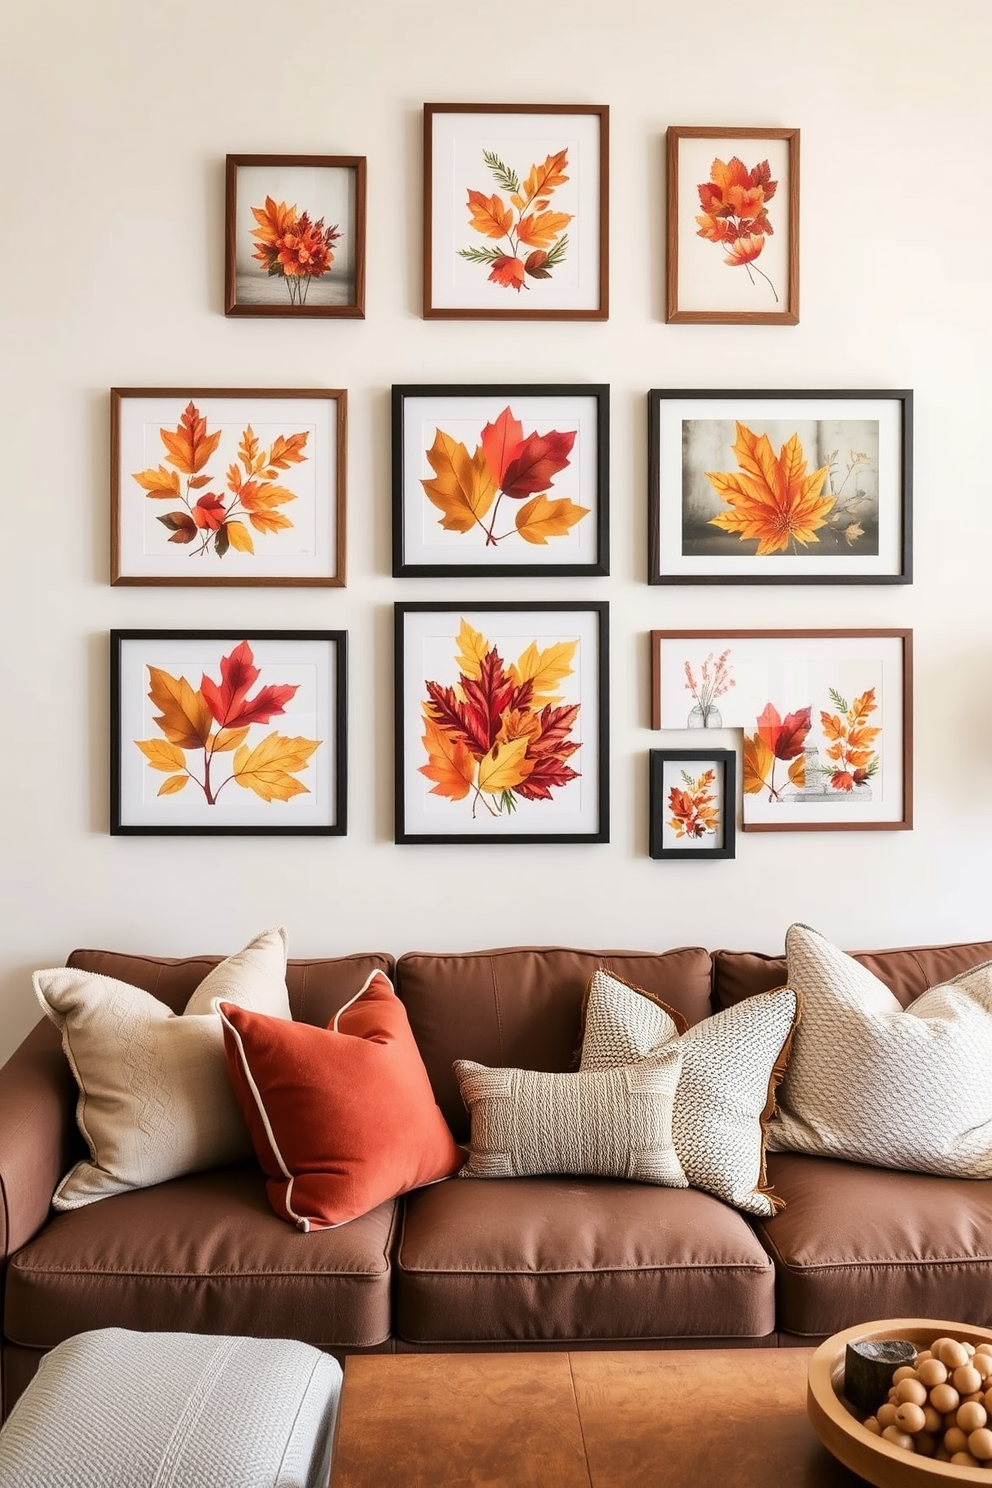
(877, 1083)
(154, 1097)
(613, 1124)
(731, 1064)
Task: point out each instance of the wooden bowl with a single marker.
(836, 1422)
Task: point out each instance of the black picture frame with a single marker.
(687, 832)
(548, 442)
(858, 533)
(531, 764)
(278, 688)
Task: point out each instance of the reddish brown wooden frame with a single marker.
(602, 311)
(339, 460)
(788, 316)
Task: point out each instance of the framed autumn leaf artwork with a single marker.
(294, 242)
(510, 480)
(223, 732)
(825, 719)
(780, 487)
(733, 225)
(516, 209)
(692, 803)
(502, 728)
(228, 486)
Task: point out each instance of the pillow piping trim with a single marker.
(300, 1220)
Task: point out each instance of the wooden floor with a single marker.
(733, 1418)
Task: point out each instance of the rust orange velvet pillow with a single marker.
(342, 1117)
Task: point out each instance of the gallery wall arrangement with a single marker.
(502, 707)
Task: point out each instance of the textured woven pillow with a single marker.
(113, 1408)
(877, 1083)
(612, 1124)
(731, 1064)
(344, 1117)
(154, 1098)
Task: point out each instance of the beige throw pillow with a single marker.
(154, 1097)
(614, 1124)
(877, 1083)
(731, 1064)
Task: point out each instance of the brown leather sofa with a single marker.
(541, 1263)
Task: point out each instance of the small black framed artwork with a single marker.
(692, 803)
(500, 479)
(228, 732)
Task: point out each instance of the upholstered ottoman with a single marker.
(117, 1409)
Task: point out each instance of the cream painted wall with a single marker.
(116, 116)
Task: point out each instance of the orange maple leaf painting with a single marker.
(521, 222)
(771, 498)
(694, 806)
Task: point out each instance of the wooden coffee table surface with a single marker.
(734, 1418)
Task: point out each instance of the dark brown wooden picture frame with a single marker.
(502, 721)
(782, 487)
(826, 719)
(549, 443)
(720, 223)
(303, 255)
(506, 250)
(178, 767)
(228, 486)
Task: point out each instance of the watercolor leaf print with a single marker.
(735, 216)
(771, 497)
(506, 464)
(853, 759)
(501, 734)
(213, 522)
(523, 221)
(846, 737)
(215, 720)
(292, 247)
(694, 807)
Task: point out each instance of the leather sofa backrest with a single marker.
(907, 971)
(317, 987)
(521, 1006)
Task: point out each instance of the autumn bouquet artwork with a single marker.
(735, 213)
(505, 466)
(216, 513)
(293, 247)
(207, 743)
(527, 239)
(775, 500)
(694, 807)
(502, 733)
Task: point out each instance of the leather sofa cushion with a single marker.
(907, 972)
(318, 987)
(203, 1254)
(537, 1260)
(522, 1006)
(856, 1242)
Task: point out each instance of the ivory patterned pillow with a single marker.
(731, 1064)
(611, 1123)
(877, 1083)
(154, 1097)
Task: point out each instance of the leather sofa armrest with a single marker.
(37, 1134)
